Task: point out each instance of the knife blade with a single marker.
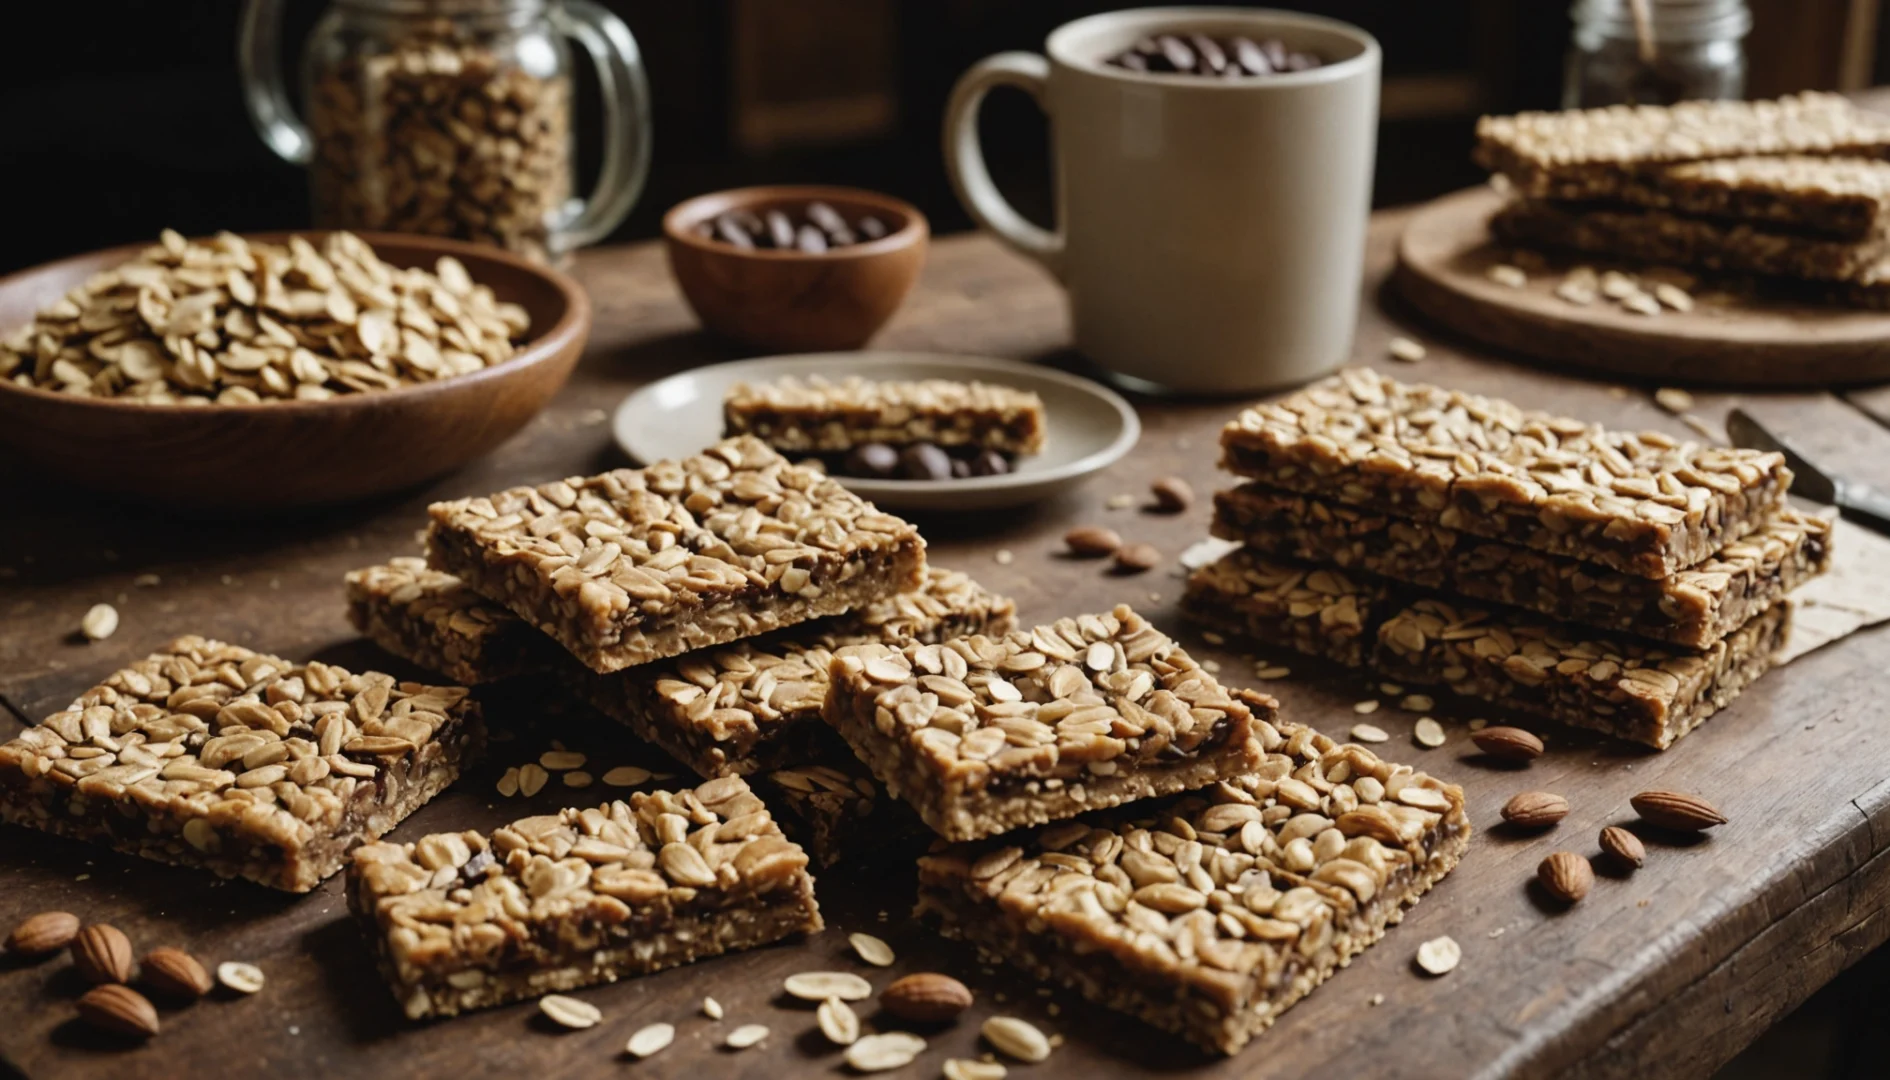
(1858, 502)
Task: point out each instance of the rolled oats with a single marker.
(239, 976)
(569, 1012)
(746, 1036)
(821, 985)
(838, 1022)
(245, 764)
(871, 949)
(1016, 1038)
(99, 623)
(468, 920)
(1209, 913)
(1439, 956)
(650, 1040)
(1320, 612)
(235, 322)
(890, 1050)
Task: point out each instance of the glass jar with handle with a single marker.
(453, 117)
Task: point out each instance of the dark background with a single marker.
(126, 117)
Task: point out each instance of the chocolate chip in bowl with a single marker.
(915, 431)
(795, 267)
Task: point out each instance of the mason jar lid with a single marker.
(1672, 21)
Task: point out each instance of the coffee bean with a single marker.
(1137, 558)
(990, 463)
(1177, 53)
(960, 468)
(924, 461)
(1213, 58)
(810, 240)
(1250, 57)
(731, 232)
(1091, 541)
(872, 461)
(872, 228)
(780, 229)
(1208, 56)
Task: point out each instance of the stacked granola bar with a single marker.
(1795, 188)
(1627, 582)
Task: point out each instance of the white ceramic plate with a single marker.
(1090, 426)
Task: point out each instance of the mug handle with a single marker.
(964, 156)
(626, 94)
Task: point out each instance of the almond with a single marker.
(926, 997)
(1137, 558)
(1172, 494)
(43, 934)
(102, 954)
(119, 1010)
(174, 973)
(1091, 541)
(1508, 743)
(1623, 846)
(1535, 809)
(1674, 810)
(1566, 875)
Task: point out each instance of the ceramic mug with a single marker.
(1211, 231)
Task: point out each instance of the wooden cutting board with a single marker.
(1446, 250)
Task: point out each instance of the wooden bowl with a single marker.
(793, 300)
(295, 453)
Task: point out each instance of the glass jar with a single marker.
(453, 117)
(1687, 50)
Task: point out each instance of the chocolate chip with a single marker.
(873, 461)
(924, 461)
(990, 463)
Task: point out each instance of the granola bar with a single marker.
(1210, 914)
(209, 755)
(1661, 237)
(839, 812)
(1316, 610)
(1834, 196)
(1641, 692)
(1644, 503)
(1594, 153)
(463, 921)
(755, 705)
(433, 620)
(818, 416)
(635, 565)
(982, 735)
(1695, 607)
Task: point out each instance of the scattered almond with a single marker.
(174, 973)
(119, 1010)
(1091, 541)
(1566, 875)
(1137, 558)
(891, 1050)
(1440, 955)
(1508, 743)
(102, 954)
(1172, 494)
(1623, 846)
(871, 949)
(650, 1039)
(1535, 809)
(926, 997)
(1676, 810)
(1016, 1038)
(43, 934)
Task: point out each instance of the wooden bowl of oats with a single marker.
(278, 370)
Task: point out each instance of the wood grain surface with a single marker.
(1446, 252)
(1664, 973)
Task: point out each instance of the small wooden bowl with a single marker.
(791, 300)
(243, 458)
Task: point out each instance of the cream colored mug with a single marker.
(1211, 232)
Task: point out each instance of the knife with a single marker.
(1861, 504)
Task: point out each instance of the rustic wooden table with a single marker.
(1665, 973)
